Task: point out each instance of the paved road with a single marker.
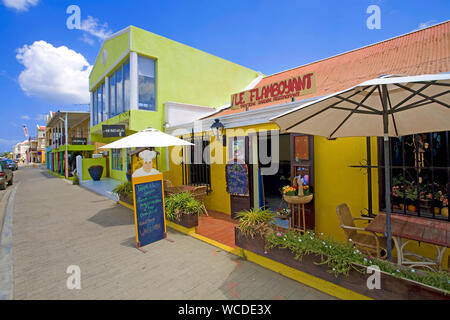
(56, 224)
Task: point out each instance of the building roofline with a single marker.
(114, 35)
(363, 47)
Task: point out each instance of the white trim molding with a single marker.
(239, 119)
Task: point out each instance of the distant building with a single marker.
(21, 150)
(67, 136)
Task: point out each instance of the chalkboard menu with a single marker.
(149, 209)
(237, 178)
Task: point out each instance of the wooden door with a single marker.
(239, 175)
(302, 162)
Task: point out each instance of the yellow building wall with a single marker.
(335, 183)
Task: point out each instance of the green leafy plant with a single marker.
(75, 180)
(124, 189)
(255, 222)
(341, 258)
(178, 204)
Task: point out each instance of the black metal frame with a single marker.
(429, 167)
(194, 173)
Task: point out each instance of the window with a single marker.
(104, 111)
(126, 85)
(112, 95)
(195, 168)
(119, 91)
(116, 159)
(98, 104)
(94, 108)
(147, 83)
(420, 174)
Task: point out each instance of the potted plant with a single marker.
(96, 172)
(411, 197)
(398, 191)
(283, 213)
(125, 192)
(75, 180)
(442, 197)
(184, 209)
(254, 225)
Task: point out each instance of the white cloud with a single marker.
(25, 117)
(87, 39)
(426, 24)
(54, 74)
(7, 144)
(93, 27)
(41, 117)
(20, 5)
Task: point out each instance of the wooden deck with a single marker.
(217, 226)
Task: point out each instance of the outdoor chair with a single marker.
(199, 194)
(167, 184)
(366, 241)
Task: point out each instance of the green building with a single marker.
(143, 80)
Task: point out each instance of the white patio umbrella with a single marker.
(147, 138)
(386, 107)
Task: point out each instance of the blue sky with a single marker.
(38, 51)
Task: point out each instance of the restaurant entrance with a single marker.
(239, 175)
(276, 173)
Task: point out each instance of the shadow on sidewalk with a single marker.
(111, 217)
(47, 174)
(129, 243)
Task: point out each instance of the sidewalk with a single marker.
(56, 225)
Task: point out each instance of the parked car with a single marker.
(12, 164)
(6, 175)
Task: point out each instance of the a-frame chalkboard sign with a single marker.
(149, 212)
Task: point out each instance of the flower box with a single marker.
(188, 220)
(126, 199)
(392, 287)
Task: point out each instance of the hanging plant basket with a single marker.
(298, 199)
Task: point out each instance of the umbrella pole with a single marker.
(387, 172)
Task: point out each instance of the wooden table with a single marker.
(435, 232)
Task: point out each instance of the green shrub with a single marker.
(124, 189)
(255, 222)
(178, 204)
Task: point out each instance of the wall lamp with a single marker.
(218, 130)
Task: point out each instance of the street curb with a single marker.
(3, 205)
(6, 265)
(294, 274)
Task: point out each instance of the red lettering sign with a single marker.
(281, 90)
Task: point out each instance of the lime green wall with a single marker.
(115, 48)
(183, 74)
(188, 75)
(88, 162)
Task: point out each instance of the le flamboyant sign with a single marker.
(276, 91)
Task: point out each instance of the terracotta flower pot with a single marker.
(444, 211)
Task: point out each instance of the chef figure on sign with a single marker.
(147, 168)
